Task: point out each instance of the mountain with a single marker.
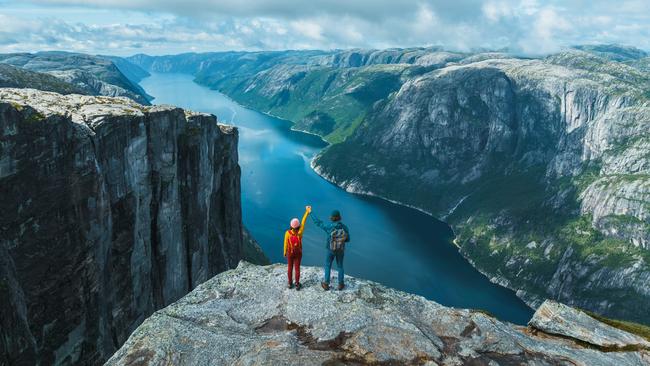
(15, 77)
(614, 52)
(92, 75)
(327, 93)
(247, 316)
(110, 211)
(539, 165)
(132, 72)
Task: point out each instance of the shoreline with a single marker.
(369, 193)
(502, 282)
(289, 122)
(529, 301)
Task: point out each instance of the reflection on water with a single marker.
(391, 244)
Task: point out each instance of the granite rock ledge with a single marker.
(247, 316)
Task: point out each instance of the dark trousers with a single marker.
(293, 261)
(331, 255)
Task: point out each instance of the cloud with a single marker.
(546, 27)
(309, 29)
(166, 26)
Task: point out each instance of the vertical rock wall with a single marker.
(108, 211)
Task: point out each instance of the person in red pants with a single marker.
(293, 248)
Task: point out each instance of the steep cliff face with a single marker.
(247, 317)
(539, 165)
(131, 71)
(407, 56)
(109, 211)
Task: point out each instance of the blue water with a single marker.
(396, 246)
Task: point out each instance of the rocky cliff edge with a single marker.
(109, 210)
(247, 316)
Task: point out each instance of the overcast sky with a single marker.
(125, 27)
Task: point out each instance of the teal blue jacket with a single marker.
(329, 227)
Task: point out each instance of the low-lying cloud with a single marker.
(158, 27)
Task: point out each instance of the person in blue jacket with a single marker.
(337, 236)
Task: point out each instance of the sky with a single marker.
(126, 27)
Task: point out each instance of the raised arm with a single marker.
(304, 220)
(320, 224)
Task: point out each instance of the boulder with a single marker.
(556, 318)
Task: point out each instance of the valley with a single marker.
(539, 165)
(396, 246)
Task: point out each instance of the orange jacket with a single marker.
(301, 229)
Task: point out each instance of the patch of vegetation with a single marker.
(331, 102)
(646, 94)
(339, 135)
(589, 175)
(631, 327)
(484, 312)
(34, 117)
(18, 107)
(591, 243)
(626, 143)
(623, 220)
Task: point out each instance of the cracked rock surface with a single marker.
(247, 316)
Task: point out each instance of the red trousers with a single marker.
(293, 261)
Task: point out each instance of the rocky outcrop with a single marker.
(247, 316)
(93, 75)
(109, 211)
(555, 318)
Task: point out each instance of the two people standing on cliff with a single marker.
(337, 236)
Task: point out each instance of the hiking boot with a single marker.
(325, 286)
(341, 286)
(290, 285)
(298, 286)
